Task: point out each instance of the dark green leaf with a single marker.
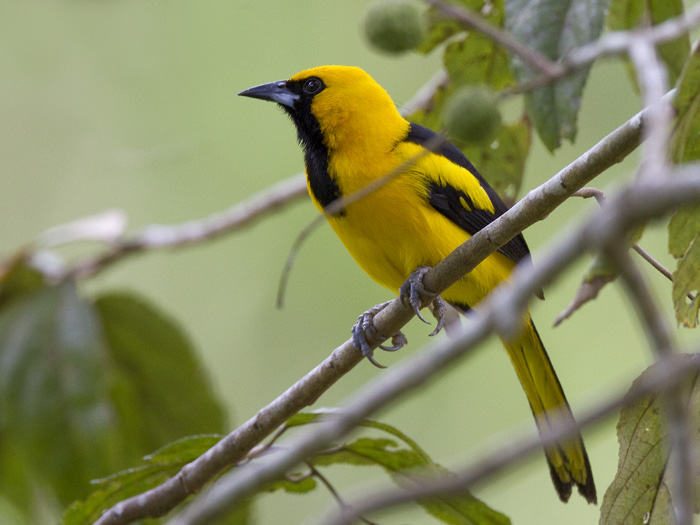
(475, 59)
(631, 14)
(441, 29)
(639, 493)
(154, 365)
(17, 279)
(502, 163)
(554, 28)
(55, 414)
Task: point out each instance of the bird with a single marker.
(352, 134)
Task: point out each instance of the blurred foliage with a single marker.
(634, 14)
(88, 386)
(640, 492)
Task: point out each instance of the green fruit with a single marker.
(472, 115)
(394, 26)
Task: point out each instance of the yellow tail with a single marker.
(568, 461)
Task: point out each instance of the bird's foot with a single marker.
(364, 334)
(413, 294)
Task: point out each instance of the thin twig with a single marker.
(341, 503)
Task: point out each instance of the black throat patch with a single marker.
(316, 154)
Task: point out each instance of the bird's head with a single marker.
(339, 105)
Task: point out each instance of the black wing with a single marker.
(450, 201)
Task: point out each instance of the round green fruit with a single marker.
(394, 26)
(471, 115)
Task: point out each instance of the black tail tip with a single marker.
(564, 488)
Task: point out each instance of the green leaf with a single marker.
(441, 29)
(554, 28)
(685, 144)
(406, 466)
(502, 163)
(640, 492)
(475, 59)
(154, 363)
(686, 277)
(184, 449)
(157, 468)
(631, 14)
(17, 279)
(55, 414)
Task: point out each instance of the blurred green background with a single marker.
(131, 105)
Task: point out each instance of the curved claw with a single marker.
(398, 341)
(364, 334)
(413, 294)
(439, 314)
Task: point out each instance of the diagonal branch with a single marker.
(500, 311)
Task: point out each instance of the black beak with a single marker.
(274, 91)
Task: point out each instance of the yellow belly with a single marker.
(393, 231)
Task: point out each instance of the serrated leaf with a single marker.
(153, 362)
(554, 28)
(640, 491)
(55, 413)
(631, 14)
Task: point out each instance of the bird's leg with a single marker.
(364, 334)
(413, 294)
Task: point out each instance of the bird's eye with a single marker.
(312, 86)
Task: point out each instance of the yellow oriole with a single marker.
(352, 134)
